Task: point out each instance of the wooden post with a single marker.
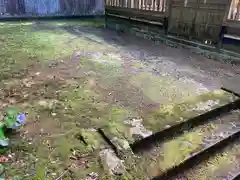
(221, 36)
(192, 32)
(168, 15)
(165, 25)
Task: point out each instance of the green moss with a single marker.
(107, 67)
(114, 122)
(92, 138)
(22, 42)
(173, 113)
(218, 164)
(172, 153)
(52, 126)
(177, 150)
(40, 172)
(138, 65)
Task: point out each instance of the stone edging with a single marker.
(201, 49)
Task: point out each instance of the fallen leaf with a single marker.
(4, 159)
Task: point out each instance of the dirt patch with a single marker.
(127, 95)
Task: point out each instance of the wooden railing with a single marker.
(150, 5)
(234, 12)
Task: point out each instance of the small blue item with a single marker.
(19, 121)
(21, 118)
(4, 142)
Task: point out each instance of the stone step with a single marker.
(132, 131)
(221, 166)
(168, 157)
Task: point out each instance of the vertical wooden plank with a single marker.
(150, 5)
(137, 4)
(121, 3)
(141, 4)
(231, 15)
(167, 8)
(67, 5)
(194, 21)
(158, 5)
(185, 3)
(128, 4)
(238, 11)
(227, 11)
(162, 5)
(168, 14)
(154, 5)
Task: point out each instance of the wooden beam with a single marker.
(232, 24)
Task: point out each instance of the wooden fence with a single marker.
(150, 5)
(198, 19)
(143, 10)
(23, 8)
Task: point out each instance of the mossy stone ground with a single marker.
(73, 77)
(172, 152)
(223, 165)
